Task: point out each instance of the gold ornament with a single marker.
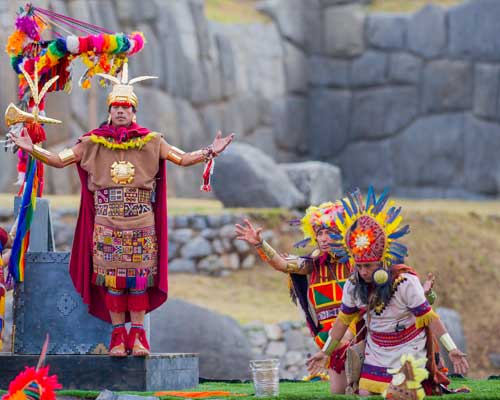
(122, 172)
(380, 276)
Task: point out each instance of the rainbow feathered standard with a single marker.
(25, 217)
(99, 49)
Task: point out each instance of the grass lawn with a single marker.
(481, 389)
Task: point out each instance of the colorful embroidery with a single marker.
(391, 339)
(123, 202)
(137, 247)
(421, 309)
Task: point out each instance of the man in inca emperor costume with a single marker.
(119, 257)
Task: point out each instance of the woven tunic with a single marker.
(125, 248)
(391, 330)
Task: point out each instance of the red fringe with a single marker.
(116, 303)
(137, 332)
(138, 302)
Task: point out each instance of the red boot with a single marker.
(137, 342)
(118, 347)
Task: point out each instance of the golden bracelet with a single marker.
(40, 153)
(330, 345)
(67, 155)
(447, 342)
(266, 252)
(175, 155)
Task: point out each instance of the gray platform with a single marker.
(86, 372)
(47, 303)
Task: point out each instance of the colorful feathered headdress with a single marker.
(406, 381)
(316, 218)
(368, 230)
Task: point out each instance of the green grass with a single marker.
(481, 389)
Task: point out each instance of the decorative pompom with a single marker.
(73, 44)
(28, 25)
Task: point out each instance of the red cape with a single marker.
(80, 265)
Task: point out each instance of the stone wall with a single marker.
(409, 101)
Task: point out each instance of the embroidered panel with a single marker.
(122, 202)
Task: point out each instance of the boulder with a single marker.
(296, 73)
(178, 326)
(263, 139)
(246, 177)
(318, 181)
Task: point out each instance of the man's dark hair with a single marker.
(383, 293)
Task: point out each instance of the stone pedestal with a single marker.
(87, 372)
(47, 303)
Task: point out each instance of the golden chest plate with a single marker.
(122, 172)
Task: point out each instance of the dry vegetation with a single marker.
(243, 11)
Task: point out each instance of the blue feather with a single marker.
(341, 217)
(302, 243)
(359, 199)
(370, 198)
(344, 259)
(346, 208)
(382, 200)
(399, 233)
(294, 222)
(394, 215)
(336, 236)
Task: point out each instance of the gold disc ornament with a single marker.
(122, 172)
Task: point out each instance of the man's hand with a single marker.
(220, 143)
(248, 233)
(429, 282)
(317, 363)
(460, 364)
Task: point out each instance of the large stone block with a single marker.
(47, 303)
(290, 121)
(382, 112)
(370, 69)
(246, 177)
(427, 32)
(474, 31)
(344, 30)
(387, 31)
(296, 69)
(42, 232)
(447, 86)
(91, 372)
(227, 64)
(329, 112)
(325, 71)
(318, 181)
(224, 351)
(361, 165)
(263, 139)
(430, 152)
(486, 84)
(289, 16)
(404, 68)
(482, 165)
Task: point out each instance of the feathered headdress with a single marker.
(368, 231)
(406, 381)
(316, 218)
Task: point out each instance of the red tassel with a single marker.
(116, 302)
(207, 175)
